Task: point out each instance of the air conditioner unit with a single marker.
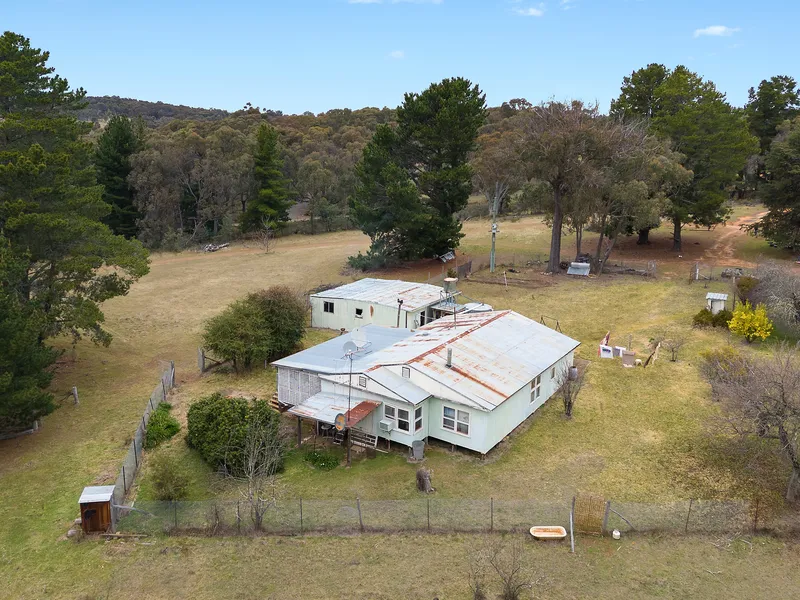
(386, 425)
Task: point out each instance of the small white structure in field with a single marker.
(715, 302)
(605, 351)
(384, 302)
(577, 268)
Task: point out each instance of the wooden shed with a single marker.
(95, 502)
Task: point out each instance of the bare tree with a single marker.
(671, 340)
(778, 288)
(262, 456)
(506, 561)
(265, 237)
(570, 387)
(761, 397)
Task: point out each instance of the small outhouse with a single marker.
(715, 302)
(95, 502)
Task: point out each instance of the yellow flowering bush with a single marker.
(751, 323)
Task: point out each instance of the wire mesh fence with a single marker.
(133, 458)
(445, 515)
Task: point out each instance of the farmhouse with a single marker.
(389, 303)
(468, 380)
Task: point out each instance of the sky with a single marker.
(315, 55)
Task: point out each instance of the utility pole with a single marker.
(347, 419)
(494, 231)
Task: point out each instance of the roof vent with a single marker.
(449, 358)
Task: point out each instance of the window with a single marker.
(536, 388)
(389, 412)
(327, 307)
(553, 373)
(406, 372)
(455, 420)
(362, 381)
(359, 313)
(403, 422)
(418, 419)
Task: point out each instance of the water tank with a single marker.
(450, 284)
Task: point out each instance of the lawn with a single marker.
(637, 435)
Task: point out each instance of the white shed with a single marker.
(384, 302)
(715, 302)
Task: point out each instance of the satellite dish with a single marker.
(350, 347)
(359, 337)
(340, 422)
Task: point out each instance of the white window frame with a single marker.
(418, 419)
(389, 417)
(460, 417)
(326, 304)
(359, 313)
(406, 420)
(362, 381)
(405, 372)
(536, 388)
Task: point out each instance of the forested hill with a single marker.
(154, 113)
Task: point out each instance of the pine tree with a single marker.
(271, 204)
(412, 180)
(24, 359)
(119, 141)
(51, 208)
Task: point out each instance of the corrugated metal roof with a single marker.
(386, 292)
(324, 407)
(494, 354)
(329, 357)
(96, 493)
(399, 385)
(716, 296)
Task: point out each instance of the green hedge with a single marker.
(161, 427)
(218, 427)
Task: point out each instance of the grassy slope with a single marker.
(639, 446)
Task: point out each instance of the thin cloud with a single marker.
(566, 4)
(395, 2)
(397, 54)
(533, 11)
(716, 31)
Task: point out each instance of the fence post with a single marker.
(75, 395)
(429, 515)
(144, 425)
(238, 519)
(755, 518)
(688, 514)
(301, 516)
(124, 480)
(360, 520)
(605, 517)
(171, 374)
(491, 511)
(135, 454)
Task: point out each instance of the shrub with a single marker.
(217, 429)
(321, 459)
(161, 426)
(744, 286)
(722, 318)
(371, 261)
(751, 323)
(703, 319)
(284, 315)
(175, 241)
(170, 480)
(262, 326)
